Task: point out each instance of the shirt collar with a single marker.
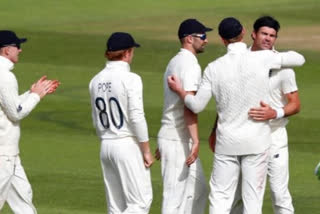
(237, 47)
(112, 64)
(6, 63)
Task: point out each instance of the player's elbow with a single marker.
(196, 109)
(14, 118)
(298, 108)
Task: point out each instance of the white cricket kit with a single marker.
(185, 66)
(14, 185)
(239, 80)
(184, 188)
(282, 82)
(118, 116)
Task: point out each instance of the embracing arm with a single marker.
(265, 112)
(291, 59)
(196, 103)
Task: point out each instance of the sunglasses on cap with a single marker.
(11, 45)
(201, 36)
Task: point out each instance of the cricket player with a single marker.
(14, 185)
(284, 101)
(118, 116)
(184, 185)
(238, 80)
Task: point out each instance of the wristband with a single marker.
(280, 113)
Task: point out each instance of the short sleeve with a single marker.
(191, 77)
(288, 83)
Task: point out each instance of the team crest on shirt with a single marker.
(19, 108)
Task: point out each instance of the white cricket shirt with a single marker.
(185, 66)
(239, 80)
(281, 82)
(117, 103)
(13, 108)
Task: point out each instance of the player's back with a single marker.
(111, 92)
(240, 82)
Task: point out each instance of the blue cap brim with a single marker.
(22, 40)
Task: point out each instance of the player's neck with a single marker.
(191, 49)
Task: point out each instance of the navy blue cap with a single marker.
(120, 41)
(190, 26)
(8, 37)
(229, 28)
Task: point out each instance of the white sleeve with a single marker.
(24, 95)
(282, 59)
(136, 113)
(93, 105)
(288, 83)
(196, 103)
(191, 78)
(14, 107)
(291, 59)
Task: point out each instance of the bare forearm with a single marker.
(293, 105)
(145, 147)
(182, 93)
(191, 120)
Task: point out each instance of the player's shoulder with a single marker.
(131, 78)
(184, 58)
(94, 78)
(8, 76)
(217, 62)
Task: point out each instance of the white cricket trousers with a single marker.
(278, 175)
(185, 188)
(225, 178)
(14, 186)
(127, 181)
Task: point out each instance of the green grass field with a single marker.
(59, 149)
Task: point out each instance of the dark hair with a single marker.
(266, 21)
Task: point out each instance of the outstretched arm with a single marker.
(265, 112)
(291, 59)
(16, 107)
(176, 86)
(196, 103)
